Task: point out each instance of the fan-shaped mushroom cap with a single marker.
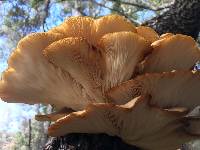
(75, 27)
(31, 79)
(92, 30)
(176, 52)
(75, 56)
(166, 35)
(134, 122)
(172, 89)
(110, 24)
(148, 33)
(55, 115)
(121, 52)
(113, 61)
(76, 64)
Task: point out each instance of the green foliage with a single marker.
(36, 3)
(20, 140)
(156, 1)
(38, 132)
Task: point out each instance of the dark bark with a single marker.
(87, 142)
(182, 17)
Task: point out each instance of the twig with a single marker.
(142, 6)
(30, 134)
(116, 10)
(46, 10)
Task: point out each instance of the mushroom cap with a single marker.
(157, 129)
(148, 33)
(110, 24)
(92, 30)
(121, 52)
(29, 73)
(176, 52)
(166, 35)
(72, 57)
(170, 89)
(75, 27)
(84, 64)
(55, 115)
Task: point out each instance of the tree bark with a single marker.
(183, 16)
(88, 142)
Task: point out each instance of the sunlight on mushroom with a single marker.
(107, 76)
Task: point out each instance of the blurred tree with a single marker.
(32, 134)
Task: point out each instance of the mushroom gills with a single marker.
(55, 115)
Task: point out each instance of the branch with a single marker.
(142, 6)
(30, 134)
(79, 8)
(116, 10)
(46, 10)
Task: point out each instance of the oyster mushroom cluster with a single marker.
(108, 76)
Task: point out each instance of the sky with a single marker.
(13, 114)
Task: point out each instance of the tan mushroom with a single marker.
(110, 24)
(92, 30)
(30, 78)
(68, 66)
(176, 52)
(121, 52)
(75, 27)
(74, 55)
(136, 122)
(91, 62)
(55, 115)
(170, 89)
(166, 35)
(148, 33)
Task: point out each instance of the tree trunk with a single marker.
(30, 134)
(87, 142)
(182, 17)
